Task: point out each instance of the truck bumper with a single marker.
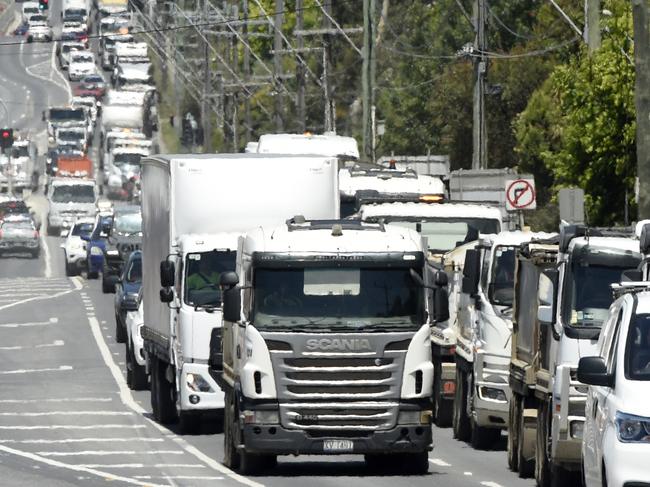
(491, 397)
(277, 440)
(196, 400)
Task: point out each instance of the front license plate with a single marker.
(338, 445)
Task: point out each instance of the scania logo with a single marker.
(339, 344)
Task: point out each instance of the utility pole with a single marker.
(247, 71)
(368, 74)
(300, 70)
(641, 16)
(592, 24)
(205, 109)
(235, 64)
(330, 121)
(479, 139)
(277, 65)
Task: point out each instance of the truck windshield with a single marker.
(128, 223)
(502, 284)
(637, 353)
(202, 272)
(67, 115)
(126, 158)
(349, 298)
(445, 234)
(73, 193)
(20, 151)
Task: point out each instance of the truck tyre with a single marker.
(461, 423)
(90, 273)
(542, 469)
(483, 438)
(136, 374)
(189, 423)
(36, 254)
(165, 412)
(70, 270)
(53, 231)
(414, 463)
(526, 466)
(120, 331)
(513, 432)
(255, 463)
(107, 287)
(230, 454)
(442, 409)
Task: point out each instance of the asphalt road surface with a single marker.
(67, 417)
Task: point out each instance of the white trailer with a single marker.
(327, 145)
(194, 209)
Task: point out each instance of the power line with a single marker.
(502, 24)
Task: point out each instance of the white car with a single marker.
(616, 436)
(74, 246)
(136, 372)
(64, 51)
(82, 64)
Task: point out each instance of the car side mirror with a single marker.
(471, 272)
(593, 371)
(167, 274)
(228, 279)
(166, 295)
(232, 304)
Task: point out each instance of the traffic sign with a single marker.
(520, 195)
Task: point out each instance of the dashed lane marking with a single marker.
(61, 368)
(68, 413)
(55, 343)
(103, 453)
(40, 441)
(71, 399)
(176, 477)
(72, 427)
(51, 321)
(439, 462)
(142, 465)
(469, 474)
(491, 484)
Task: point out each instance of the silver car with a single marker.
(19, 236)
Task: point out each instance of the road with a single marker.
(67, 417)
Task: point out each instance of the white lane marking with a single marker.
(60, 368)
(73, 427)
(76, 468)
(69, 413)
(72, 399)
(177, 477)
(55, 343)
(469, 474)
(127, 399)
(142, 465)
(135, 439)
(51, 321)
(36, 298)
(66, 84)
(491, 484)
(103, 453)
(47, 257)
(439, 462)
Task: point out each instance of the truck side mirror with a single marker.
(547, 296)
(166, 295)
(545, 314)
(593, 371)
(228, 279)
(471, 272)
(232, 304)
(441, 279)
(44, 116)
(644, 239)
(440, 305)
(167, 274)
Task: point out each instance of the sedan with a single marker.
(92, 85)
(19, 236)
(127, 288)
(74, 247)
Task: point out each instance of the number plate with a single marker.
(338, 445)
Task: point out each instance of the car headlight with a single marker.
(197, 383)
(112, 253)
(96, 251)
(632, 429)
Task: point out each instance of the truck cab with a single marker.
(326, 345)
(69, 199)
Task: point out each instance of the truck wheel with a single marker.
(53, 231)
(442, 409)
(230, 454)
(136, 374)
(120, 332)
(461, 424)
(70, 270)
(513, 433)
(254, 463)
(107, 287)
(483, 438)
(166, 405)
(542, 470)
(90, 273)
(526, 466)
(414, 463)
(189, 423)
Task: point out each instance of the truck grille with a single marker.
(333, 391)
(126, 248)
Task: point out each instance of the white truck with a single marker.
(483, 338)
(446, 226)
(326, 346)
(193, 211)
(75, 9)
(327, 145)
(69, 199)
(119, 115)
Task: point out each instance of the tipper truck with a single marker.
(572, 301)
(194, 207)
(326, 346)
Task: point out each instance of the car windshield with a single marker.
(38, 18)
(202, 276)
(67, 114)
(82, 58)
(128, 223)
(502, 285)
(70, 47)
(135, 271)
(126, 158)
(347, 298)
(637, 353)
(82, 229)
(30, 10)
(20, 151)
(73, 193)
(447, 234)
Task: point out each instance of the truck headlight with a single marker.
(112, 253)
(415, 417)
(632, 429)
(492, 394)
(197, 383)
(96, 251)
(261, 417)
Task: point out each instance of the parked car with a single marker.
(74, 246)
(616, 436)
(136, 363)
(126, 293)
(96, 245)
(19, 235)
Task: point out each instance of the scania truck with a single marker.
(326, 346)
(194, 207)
